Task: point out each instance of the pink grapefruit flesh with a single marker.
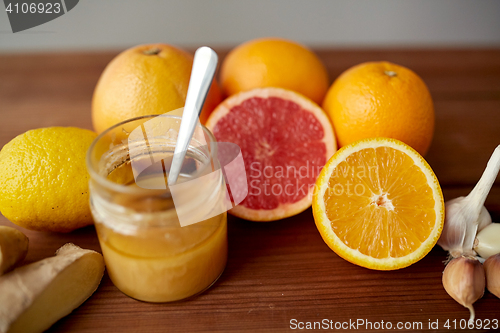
(285, 140)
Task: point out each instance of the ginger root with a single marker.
(35, 296)
(13, 248)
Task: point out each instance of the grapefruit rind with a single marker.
(284, 210)
(353, 255)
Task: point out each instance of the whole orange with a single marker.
(214, 98)
(144, 80)
(381, 99)
(273, 62)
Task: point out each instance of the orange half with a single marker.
(378, 204)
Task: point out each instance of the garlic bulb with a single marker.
(465, 216)
(492, 270)
(487, 241)
(455, 227)
(464, 280)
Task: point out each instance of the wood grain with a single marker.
(282, 270)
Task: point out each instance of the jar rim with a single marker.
(105, 182)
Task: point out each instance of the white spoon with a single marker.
(204, 65)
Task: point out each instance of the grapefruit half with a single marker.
(285, 140)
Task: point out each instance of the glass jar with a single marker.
(151, 253)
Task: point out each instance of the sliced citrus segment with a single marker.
(285, 140)
(378, 204)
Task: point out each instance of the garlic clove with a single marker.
(492, 270)
(484, 219)
(464, 280)
(487, 241)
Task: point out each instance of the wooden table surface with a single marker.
(282, 270)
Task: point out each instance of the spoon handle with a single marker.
(204, 65)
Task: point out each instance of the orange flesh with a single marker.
(379, 203)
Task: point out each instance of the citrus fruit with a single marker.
(213, 99)
(285, 140)
(381, 99)
(44, 180)
(144, 80)
(274, 62)
(378, 204)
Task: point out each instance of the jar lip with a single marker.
(103, 181)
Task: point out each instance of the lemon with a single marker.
(44, 180)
